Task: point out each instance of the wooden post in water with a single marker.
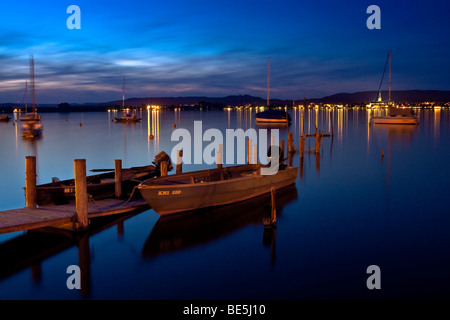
(163, 168)
(118, 177)
(81, 198)
(179, 161)
(219, 157)
(273, 209)
(30, 182)
(302, 145)
(282, 147)
(317, 143)
(291, 148)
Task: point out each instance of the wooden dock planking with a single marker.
(54, 216)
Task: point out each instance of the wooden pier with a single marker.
(64, 216)
(73, 216)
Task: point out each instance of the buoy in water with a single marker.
(150, 137)
(80, 124)
(174, 125)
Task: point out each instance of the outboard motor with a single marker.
(160, 157)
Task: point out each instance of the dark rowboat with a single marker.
(208, 188)
(99, 186)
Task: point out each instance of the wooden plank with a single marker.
(53, 216)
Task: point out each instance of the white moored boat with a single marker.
(397, 116)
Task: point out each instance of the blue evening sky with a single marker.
(219, 48)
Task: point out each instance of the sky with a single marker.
(219, 48)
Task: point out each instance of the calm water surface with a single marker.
(350, 208)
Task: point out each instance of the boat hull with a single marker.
(127, 120)
(269, 120)
(179, 197)
(272, 116)
(395, 120)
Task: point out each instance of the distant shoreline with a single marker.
(408, 97)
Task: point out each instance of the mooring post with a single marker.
(81, 198)
(273, 210)
(179, 161)
(219, 160)
(290, 143)
(118, 177)
(282, 147)
(317, 143)
(302, 145)
(30, 182)
(163, 168)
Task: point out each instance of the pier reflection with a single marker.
(196, 228)
(32, 248)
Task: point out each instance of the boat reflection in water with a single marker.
(174, 233)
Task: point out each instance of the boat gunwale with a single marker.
(154, 181)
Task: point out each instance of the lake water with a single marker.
(350, 208)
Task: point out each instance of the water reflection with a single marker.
(180, 232)
(32, 248)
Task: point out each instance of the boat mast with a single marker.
(33, 98)
(123, 93)
(268, 82)
(25, 97)
(389, 77)
(382, 77)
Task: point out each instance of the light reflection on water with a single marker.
(352, 207)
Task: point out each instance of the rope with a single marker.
(91, 198)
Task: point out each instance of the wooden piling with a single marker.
(164, 168)
(219, 157)
(30, 182)
(273, 210)
(302, 145)
(291, 148)
(282, 147)
(118, 177)
(179, 161)
(81, 198)
(317, 150)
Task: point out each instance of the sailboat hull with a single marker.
(408, 120)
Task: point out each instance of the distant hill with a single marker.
(177, 101)
(406, 96)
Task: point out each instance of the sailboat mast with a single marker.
(33, 97)
(268, 82)
(123, 93)
(389, 76)
(25, 97)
